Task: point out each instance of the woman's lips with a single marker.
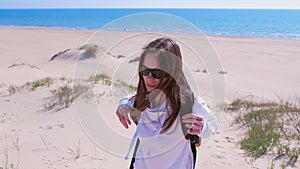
(151, 85)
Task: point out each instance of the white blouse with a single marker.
(169, 150)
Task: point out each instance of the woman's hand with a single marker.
(194, 123)
(122, 113)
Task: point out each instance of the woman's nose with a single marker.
(150, 76)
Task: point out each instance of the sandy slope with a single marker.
(255, 67)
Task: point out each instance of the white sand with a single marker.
(255, 67)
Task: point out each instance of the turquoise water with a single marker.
(225, 22)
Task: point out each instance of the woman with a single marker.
(169, 118)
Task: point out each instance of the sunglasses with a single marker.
(156, 73)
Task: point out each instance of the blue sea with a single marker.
(225, 22)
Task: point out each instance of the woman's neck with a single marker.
(157, 98)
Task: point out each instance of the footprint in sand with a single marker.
(229, 139)
(47, 162)
(49, 127)
(219, 146)
(60, 125)
(6, 117)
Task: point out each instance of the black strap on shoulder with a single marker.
(134, 153)
(186, 108)
(194, 150)
(135, 120)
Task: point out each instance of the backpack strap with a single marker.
(134, 153)
(186, 108)
(194, 150)
(135, 120)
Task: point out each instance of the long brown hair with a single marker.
(174, 85)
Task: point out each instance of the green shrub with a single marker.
(61, 98)
(259, 140)
(271, 128)
(79, 90)
(38, 83)
(124, 85)
(98, 77)
(65, 96)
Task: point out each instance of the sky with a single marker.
(264, 4)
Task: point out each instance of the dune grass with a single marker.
(75, 153)
(60, 98)
(7, 162)
(38, 83)
(124, 85)
(105, 79)
(100, 77)
(271, 129)
(33, 85)
(64, 96)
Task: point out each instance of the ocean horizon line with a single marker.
(269, 23)
(78, 29)
(237, 8)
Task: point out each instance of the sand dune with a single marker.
(88, 51)
(34, 136)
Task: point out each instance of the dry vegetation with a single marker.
(271, 129)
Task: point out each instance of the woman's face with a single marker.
(150, 62)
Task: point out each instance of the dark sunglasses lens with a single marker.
(157, 74)
(145, 72)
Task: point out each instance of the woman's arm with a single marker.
(210, 121)
(128, 100)
(125, 105)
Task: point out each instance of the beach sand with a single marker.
(32, 136)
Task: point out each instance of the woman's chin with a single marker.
(150, 88)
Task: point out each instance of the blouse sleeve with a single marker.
(210, 121)
(128, 100)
